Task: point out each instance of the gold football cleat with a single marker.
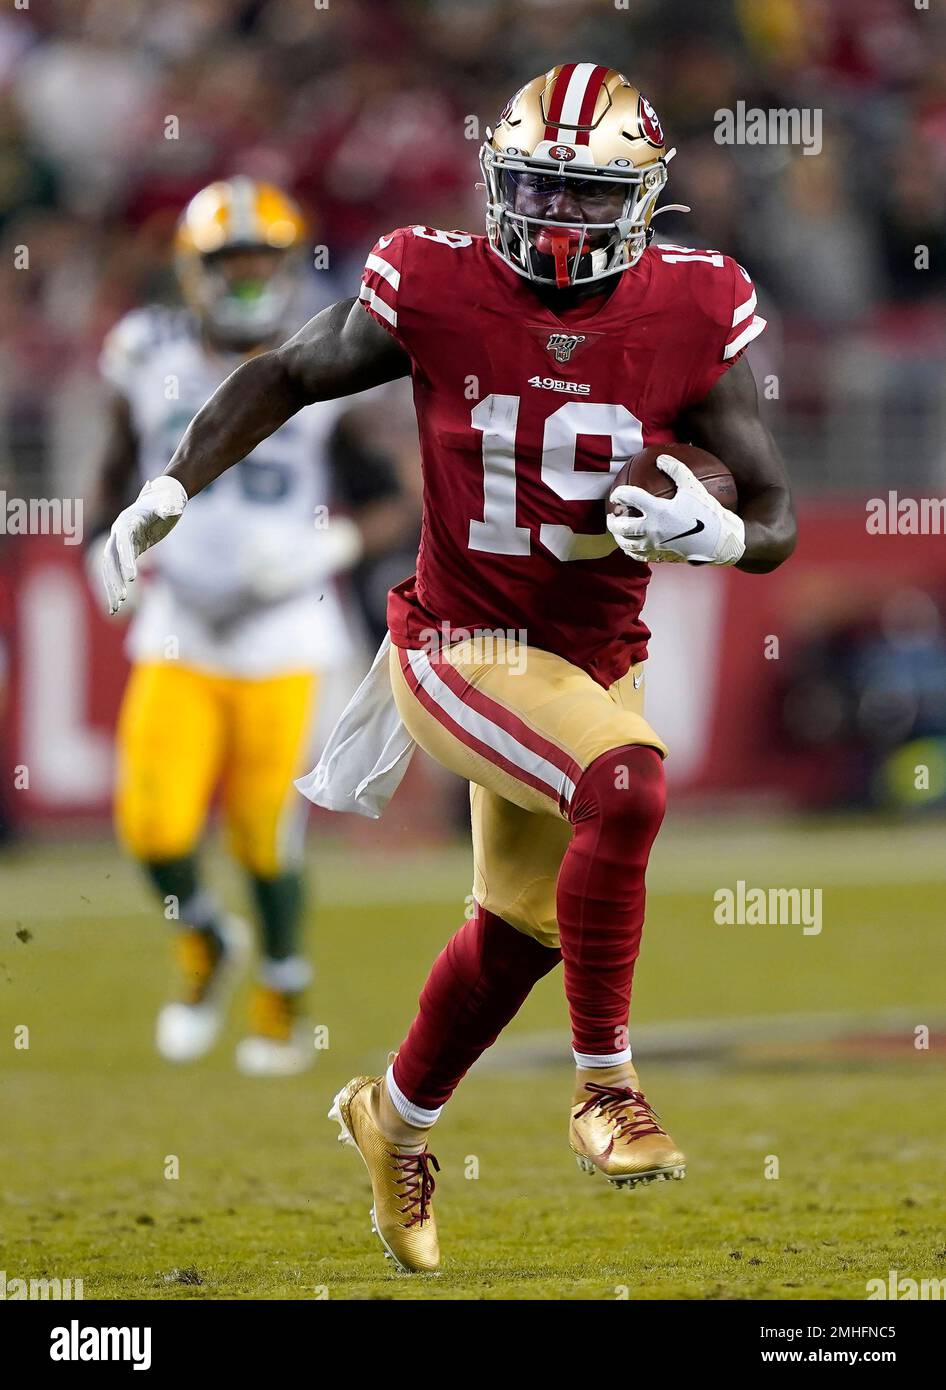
(209, 965)
(402, 1183)
(614, 1130)
(272, 1013)
(278, 1043)
(198, 954)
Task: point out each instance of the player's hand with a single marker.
(150, 517)
(689, 526)
(278, 564)
(93, 559)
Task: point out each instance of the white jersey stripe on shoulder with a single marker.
(744, 310)
(746, 336)
(571, 106)
(559, 784)
(377, 304)
(385, 270)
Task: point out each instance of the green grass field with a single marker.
(268, 1205)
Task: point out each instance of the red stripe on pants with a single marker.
(476, 745)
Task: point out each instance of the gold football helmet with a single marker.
(573, 170)
(238, 255)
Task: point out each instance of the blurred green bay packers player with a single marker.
(237, 622)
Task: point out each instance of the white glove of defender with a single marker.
(689, 526)
(94, 559)
(279, 564)
(150, 517)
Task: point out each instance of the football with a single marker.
(642, 471)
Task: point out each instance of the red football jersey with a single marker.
(524, 419)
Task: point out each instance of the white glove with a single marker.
(93, 560)
(691, 525)
(279, 563)
(150, 517)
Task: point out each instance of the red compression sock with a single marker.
(616, 810)
(477, 984)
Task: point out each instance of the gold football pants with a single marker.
(182, 733)
(521, 725)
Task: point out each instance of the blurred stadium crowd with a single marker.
(113, 112)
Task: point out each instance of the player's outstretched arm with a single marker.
(340, 351)
(727, 423)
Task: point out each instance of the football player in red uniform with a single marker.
(543, 356)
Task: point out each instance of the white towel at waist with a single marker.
(367, 752)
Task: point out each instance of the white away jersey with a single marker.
(200, 579)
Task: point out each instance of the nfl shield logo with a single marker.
(562, 345)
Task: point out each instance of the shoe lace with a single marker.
(629, 1111)
(416, 1184)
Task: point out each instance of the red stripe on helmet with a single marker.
(558, 99)
(588, 103)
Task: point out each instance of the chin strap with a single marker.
(670, 207)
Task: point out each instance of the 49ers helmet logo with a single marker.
(651, 129)
(562, 345)
(563, 153)
(510, 106)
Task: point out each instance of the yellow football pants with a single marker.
(521, 725)
(182, 732)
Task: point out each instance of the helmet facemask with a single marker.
(563, 253)
(244, 311)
